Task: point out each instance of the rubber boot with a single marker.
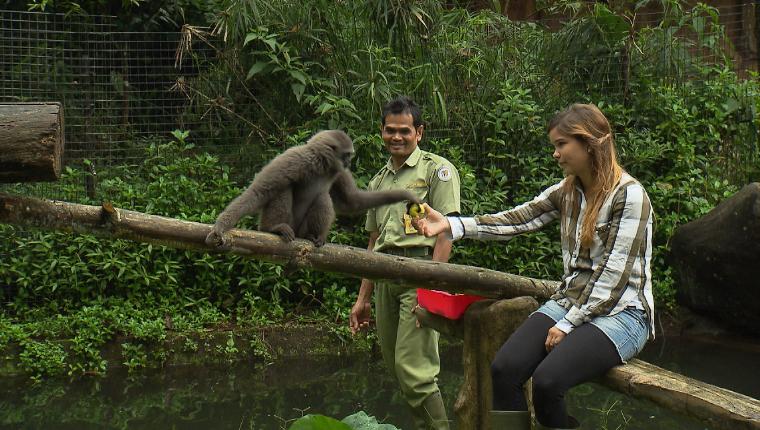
(418, 416)
(431, 414)
(573, 424)
(510, 420)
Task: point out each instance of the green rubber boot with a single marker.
(510, 420)
(431, 414)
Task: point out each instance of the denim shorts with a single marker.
(627, 329)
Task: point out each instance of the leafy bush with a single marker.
(685, 124)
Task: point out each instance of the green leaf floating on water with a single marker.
(318, 422)
(362, 421)
(357, 421)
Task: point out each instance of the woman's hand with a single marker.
(554, 337)
(433, 223)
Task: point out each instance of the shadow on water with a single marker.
(243, 396)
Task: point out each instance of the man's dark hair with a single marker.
(402, 105)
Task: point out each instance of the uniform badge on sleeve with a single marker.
(444, 173)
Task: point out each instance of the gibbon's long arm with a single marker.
(347, 198)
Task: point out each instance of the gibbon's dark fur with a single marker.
(299, 191)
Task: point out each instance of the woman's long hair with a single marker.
(588, 124)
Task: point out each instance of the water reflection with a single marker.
(245, 396)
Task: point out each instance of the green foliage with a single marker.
(260, 348)
(278, 59)
(338, 111)
(686, 125)
(72, 7)
(42, 358)
(134, 356)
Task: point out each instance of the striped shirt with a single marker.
(603, 279)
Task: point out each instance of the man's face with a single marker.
(400, 135)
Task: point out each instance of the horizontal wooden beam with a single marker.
(719, 408)
(115, 223)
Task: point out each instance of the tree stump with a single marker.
(486, 325)
(31, 142)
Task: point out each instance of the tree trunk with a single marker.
(31, 142)
(715, 261)
(356, 262)
(486, 325)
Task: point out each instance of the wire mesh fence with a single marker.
(122, 91)
(118, 89)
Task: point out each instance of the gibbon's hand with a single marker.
(413, 197)
(218, 239)
(360, 315)
(553, 338)
(433, 224)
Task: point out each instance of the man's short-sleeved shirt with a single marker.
(432, 178)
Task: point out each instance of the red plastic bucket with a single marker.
(451, 306)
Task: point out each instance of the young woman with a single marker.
(603, 312)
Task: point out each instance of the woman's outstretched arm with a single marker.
(530, 216)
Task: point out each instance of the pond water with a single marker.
(268, 397)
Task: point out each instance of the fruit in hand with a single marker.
(415, 210)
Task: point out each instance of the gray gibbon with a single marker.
(299, 191)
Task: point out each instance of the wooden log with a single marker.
(719, 408)
(114, 223)
(31, 141)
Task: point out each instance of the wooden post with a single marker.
(31, 141)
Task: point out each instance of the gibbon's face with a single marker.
(345, 150)
(571, 154)
(345, 154)
(400, 135)
(340, 145)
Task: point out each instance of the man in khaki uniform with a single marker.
(409, 351)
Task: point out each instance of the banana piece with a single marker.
(415, 210)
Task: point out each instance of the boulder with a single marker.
(716, 261)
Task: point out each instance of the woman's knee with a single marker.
(548, 383)
(507, 366)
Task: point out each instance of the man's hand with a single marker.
(433, 224)
(554, 337)
(360, 314)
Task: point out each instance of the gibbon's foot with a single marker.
(218, 239)
(285, 231)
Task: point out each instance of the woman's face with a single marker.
(571, 154)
